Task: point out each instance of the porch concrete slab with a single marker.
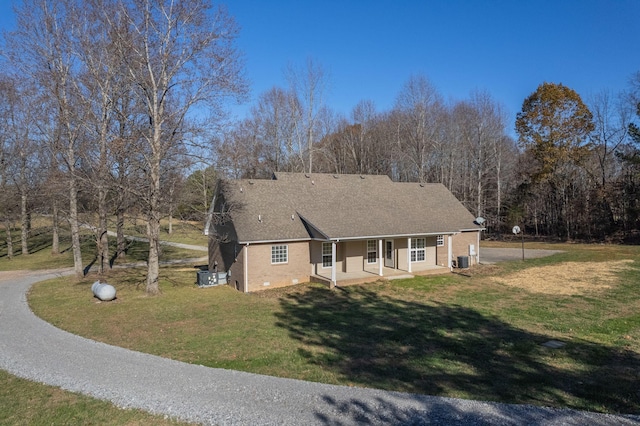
(369, 275)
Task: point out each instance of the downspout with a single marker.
(409, 254)
(333, 264)
(380, 254)
(450, 252)
(246, 268)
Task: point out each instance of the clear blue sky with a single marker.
(371, 48)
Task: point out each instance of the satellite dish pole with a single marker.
(516, 230)
(479, 221)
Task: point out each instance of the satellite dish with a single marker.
(480, 220)
(516, 230)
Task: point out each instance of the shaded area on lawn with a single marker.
(417, 410)
(440, 349)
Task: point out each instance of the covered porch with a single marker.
(340, 262)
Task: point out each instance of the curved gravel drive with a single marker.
(33, 349)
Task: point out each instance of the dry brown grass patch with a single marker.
(570, 278)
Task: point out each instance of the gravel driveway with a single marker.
(33, 349)
(492, 255)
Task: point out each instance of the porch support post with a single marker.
(478, 249)
(380, 257)
(449, 252)
(409, 254)
(333, 264)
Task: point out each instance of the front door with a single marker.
(389, 261)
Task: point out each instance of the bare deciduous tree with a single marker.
(310, 86)
(41, 50)
(274, 117)
(419, 110)
(180, 55)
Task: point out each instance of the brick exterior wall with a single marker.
(460, 247)
(461, 243)
(262, 274)
(305, 259)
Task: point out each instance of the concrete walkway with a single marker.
(33, 349)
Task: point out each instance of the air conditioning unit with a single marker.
(207, 279)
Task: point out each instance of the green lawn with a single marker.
(40, 256)
(460, 335)
(182, 231)
(27, 403)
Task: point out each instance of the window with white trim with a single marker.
(372, 251)
(326, 255)
(279, 254)
(418, 250)
(440, 240)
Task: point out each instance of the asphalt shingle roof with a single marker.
(296, 206)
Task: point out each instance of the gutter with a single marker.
(295, 240)
(376, 237)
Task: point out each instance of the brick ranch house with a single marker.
(336, 229)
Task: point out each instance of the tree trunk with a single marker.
(171, 191)
(75, 229)
(479, 211)
(55, 239)
(103, 237)
(25, 223)
(153, 227)
(499, 193)
(153, 270)
(120, 241)
(8, 226)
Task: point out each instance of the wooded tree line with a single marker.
(107, 106)
(571, 174)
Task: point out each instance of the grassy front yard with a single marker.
(476, 335)
(40, 257)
